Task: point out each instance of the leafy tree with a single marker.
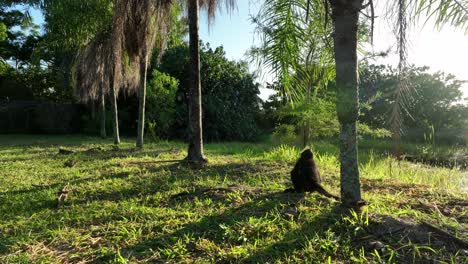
(3, 31)
(19, 37)
(70, 26)
(23, 74)
(296, 50)
(230, 100)
(161, 107)
(346, 25)
(435, 102)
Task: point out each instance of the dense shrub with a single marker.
(229, 95)
(160, 104)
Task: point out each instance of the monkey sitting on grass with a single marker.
(306, 177)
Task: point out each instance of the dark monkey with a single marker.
(306, 177)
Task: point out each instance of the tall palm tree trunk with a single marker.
(102, 112)
(195, 150)
(115, 114)
(345, 15)
(141, 99)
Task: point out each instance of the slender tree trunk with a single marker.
(306, 136)
(115, 114)
(102, 112)
(401, 85)
(345, 15)
(93, 109)
(195, 150)
(141, 99)
(115, 63)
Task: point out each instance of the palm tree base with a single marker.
(196, 164)
(195, 158)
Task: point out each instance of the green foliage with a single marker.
(33, 82)
(3, 31)
(160, 104)
(178, 27)
(294, 46)
(284, 134)
(230, 94)
(366, 131)
(19, 39)
(72, 24)
(319, 115)
(435, 104)
(454, 13)
(26, 64)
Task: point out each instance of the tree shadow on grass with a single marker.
(162, 178)
(214, 227)
(26, 202)
(59, 185)
(312, 239)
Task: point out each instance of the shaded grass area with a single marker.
(127, 206)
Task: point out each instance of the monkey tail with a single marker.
(321, 190)
(289, 190)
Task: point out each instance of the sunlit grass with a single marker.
(123, 208)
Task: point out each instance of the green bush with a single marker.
(160, 104)
(229, 94)
(284, 134)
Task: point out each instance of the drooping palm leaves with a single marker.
(133, 33)
(401, 94)
(294, 47)
(135, 27)
(451, 12)
(443, 12)
(72, 24)
(282, 46)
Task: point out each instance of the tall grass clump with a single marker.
(282, 153)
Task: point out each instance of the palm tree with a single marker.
(117, 57)
(345, 18)
(195, 149)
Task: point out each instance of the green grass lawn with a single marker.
(125, 208)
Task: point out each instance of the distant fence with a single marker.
(40, 117)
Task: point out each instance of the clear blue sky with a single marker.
(232, 30)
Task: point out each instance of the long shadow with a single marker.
(213, 227)
(297, 240)
(87, 155)
(30, 201)
(8, 160)
(38, 188)
(83, 156)
(107, 154)
(163, 176)
(152, 183)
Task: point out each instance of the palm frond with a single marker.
(452, 12)
(137, 26)
(294, 46)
